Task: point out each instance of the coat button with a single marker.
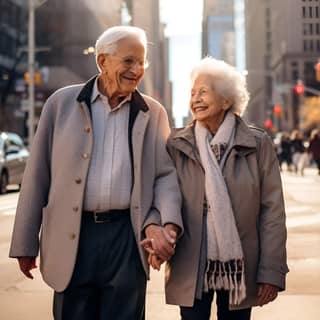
(78, 180)
(87, 129)
(72, 236)
(75, 209)
(85, 155)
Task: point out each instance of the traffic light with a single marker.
(277, 109)
(268, 124)
(317, 67)
(37, 78)
(299, 88)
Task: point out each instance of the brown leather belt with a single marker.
(107, 216)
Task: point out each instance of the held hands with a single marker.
(160, 243)
(267, 293)
(26, 264)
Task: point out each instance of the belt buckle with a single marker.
(96, 219)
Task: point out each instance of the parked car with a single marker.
(13, 157)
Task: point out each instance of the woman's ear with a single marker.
(226, 105)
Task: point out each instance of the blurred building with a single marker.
(218, 34)
(146, 15)
(66, 31)
(282, 47)
(12, 55)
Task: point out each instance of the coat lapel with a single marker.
(184, 140)
(244, 141)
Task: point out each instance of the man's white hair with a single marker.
(108, 40)
(226, 81)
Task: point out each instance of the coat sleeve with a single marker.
(34, 189)
(272, 267)
(167, 196)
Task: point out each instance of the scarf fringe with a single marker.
(227, 276)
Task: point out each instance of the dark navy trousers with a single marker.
(108, 282)
(201, 309)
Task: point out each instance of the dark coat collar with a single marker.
(136, 102)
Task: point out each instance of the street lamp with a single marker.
(33, 4)
(89, 50)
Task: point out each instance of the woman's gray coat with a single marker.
(251, 173)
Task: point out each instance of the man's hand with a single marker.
(26, 264)
(159, 241)
(267, 293)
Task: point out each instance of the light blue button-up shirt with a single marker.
(109, 180)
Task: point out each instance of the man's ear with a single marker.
(102, 61)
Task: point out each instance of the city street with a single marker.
(22, 299)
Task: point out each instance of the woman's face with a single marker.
(206, 104)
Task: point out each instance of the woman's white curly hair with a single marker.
(226, 81)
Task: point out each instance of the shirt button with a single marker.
(72, 236)
(78, 180)
(87, 129)
(85, 155)
(75, 209)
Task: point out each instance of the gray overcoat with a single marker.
(251, 173)
(52, 191)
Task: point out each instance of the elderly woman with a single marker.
(233, 209)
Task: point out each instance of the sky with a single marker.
(184, 22)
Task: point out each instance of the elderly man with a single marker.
(99, 180)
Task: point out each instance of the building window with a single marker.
(311, 45)
(310, 12)
(317, 28)
(294, 74)
(267, 23)
(318, 45)
(305, 45)
(305, 29)
(268, 12)
(317, 12)
(303, 12)
(311, 28)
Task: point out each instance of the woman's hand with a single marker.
(267, 293)
(155, 261)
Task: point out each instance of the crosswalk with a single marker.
(8, 204)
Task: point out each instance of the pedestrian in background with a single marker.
(285, 155)
(297, 150)
(99, 179)
(314, 147)
(234, 243)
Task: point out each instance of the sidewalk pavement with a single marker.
(24, 299)
(33, 300)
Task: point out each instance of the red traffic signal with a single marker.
(317, 67)
(268, 124)
(299, 88)
(277, 109)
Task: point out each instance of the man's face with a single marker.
(123, 70)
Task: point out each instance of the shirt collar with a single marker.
(97, 94)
